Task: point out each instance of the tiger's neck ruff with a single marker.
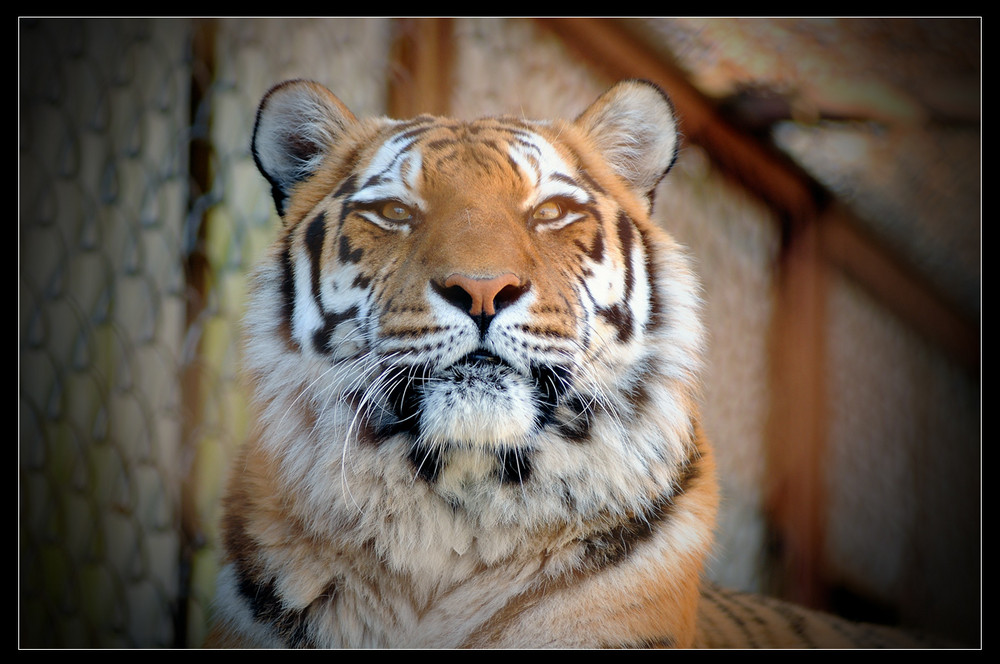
(473, 360)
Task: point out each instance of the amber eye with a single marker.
(548, 211)
(395, 211)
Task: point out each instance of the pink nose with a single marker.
(482, 291)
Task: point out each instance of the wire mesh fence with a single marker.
(140, 209)
(104, 182)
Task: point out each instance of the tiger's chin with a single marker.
(478, 403)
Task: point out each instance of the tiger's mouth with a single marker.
(481, 357)
(481, 400)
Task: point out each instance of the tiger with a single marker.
(474, 367)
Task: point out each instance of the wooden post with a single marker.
(796, 434)
(420, 73)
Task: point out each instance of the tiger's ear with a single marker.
(634, 127)
(298, 122)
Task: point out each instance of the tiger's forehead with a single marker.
(496, 147)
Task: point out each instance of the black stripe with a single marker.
(348, 187)
(515, 465)
(261, 594)
(322, 336)
(616, 544)
(550, 384)
(726, 608)
(314, 239)
(267, 608)
(400, 153)
(656, 309)
(625, 239)
(404, 397)
(592, 184)
(576, 427)
(562, 177)
(348, 254)
(421, 125)
(426, 461)
(288, 289)
(596, 250)
(440, 143)
(663, 641)
(620, 318)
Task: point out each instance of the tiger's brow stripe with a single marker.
(385, 174)
(348, 187)
(562, 177)
(596, 250)
(592, 185)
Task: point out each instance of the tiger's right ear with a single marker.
(298, 122)
(634, 127)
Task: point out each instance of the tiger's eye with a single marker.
(395, 211)
(547, 211)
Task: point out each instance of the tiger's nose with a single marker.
(483, 296)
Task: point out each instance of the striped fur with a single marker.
(730, 619)
(474, 368)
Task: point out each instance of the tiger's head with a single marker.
(472, 323)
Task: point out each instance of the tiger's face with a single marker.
(458, 229)
(476, 304)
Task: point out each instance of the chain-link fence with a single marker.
(105, 135)
(140, 209)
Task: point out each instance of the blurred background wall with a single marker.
(829, 190)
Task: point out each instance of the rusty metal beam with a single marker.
(607, 46)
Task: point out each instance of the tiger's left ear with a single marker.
(634, 127)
